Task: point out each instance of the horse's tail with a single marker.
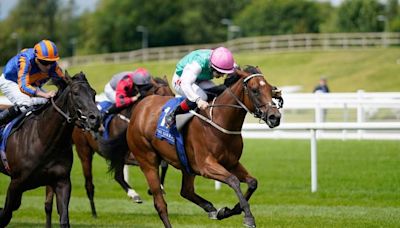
(114, 150)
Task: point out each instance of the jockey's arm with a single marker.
(23, 77)
(188, 78)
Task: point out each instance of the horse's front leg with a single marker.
(48, 205)
(216, 171)
(119, 177)
(63, 194)
(13, 202)
(241, 173)
(187, 191)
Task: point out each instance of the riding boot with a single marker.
(9, 114)
(182, 108)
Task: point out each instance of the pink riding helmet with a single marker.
(222, 60)
(141, 76)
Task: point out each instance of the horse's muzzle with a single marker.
(94, 121)
(273, 120)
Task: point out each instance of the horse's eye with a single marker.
(256, 92)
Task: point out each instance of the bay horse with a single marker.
(213, 147)
(86, 144)
(39, 152)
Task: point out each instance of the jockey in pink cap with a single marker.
(193, 73)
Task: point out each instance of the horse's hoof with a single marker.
(212, 214)
(249, 222)
(221, 213)
(137, 199)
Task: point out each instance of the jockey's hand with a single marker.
(47, 95)
(202, 104)
(136, 97)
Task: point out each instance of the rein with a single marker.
(66, 116)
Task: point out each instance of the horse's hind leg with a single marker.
(164, 168)
(63, 194)
(241, 173)
(48, 205)
(119, 177)
(187, 191)
(13, 202)
(85, 154)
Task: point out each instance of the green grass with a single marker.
(358, 186)
(373, 70)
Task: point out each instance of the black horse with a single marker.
(39, 152)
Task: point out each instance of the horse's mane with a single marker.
(233, 78)
(160, 81)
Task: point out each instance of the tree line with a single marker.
(124, 25)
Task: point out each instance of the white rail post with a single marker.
(360, 111)
(313, 160)
(217, 185)
(319, 111)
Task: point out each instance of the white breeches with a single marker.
(109, 92)
(197, 87)
(11, 90)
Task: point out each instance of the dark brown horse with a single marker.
(213, 148)
(39, 152)
(86, 145)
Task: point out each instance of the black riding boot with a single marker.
(9, 114)
(182, 108)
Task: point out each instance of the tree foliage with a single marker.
(112, 26)
(270, 17)
(360, 16)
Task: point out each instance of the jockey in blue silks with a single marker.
(25, 74)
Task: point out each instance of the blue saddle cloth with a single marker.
(103, 106)
(172, 135)
(5, 132)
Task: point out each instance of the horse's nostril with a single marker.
(272, 117)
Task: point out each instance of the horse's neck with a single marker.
(231, 118)
(52, 123)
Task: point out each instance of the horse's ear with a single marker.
(82, 75)
(67, 76)
(152, 81)
(166, 79)
(240, 73)
(276, 93)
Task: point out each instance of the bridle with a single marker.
(78, 117)
(257, 113)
